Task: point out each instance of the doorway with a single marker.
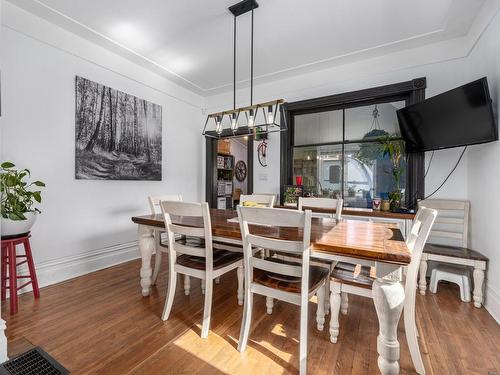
(229, 171)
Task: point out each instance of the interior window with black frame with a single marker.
(355, 153)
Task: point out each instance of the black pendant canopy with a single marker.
(262, 118)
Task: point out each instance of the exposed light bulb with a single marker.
(251, 119)
(270, 115)
(234, 122)
(218, 125)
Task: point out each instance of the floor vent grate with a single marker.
(33, 362)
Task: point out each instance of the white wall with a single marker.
(477, 178)
(85, 225)
(484, 172)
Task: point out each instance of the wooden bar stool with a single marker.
(9, 262)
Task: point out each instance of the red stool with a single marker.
(9, 261)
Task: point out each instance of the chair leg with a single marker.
(207, 310)
(335, 309)
(327, 297)
(239, 273)
(411, 337)
(344, 303)
(320, 311)
(31, 268)
(303, 336)
(422, 283)
(172, 280)
(466, 285)
(434, 281)
(12, 278)
(156, 270)
(269, 305)
(187, 285)
(203, 286)
(246, 321)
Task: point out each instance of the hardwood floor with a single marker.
(100, 324)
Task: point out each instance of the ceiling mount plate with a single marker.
(243, 7)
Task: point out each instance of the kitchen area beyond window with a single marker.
(340, 153)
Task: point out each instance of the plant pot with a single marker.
(15, 227)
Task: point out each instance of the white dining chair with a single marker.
(260, 199)
(322, 203)
(357, 279)
(291, 282)
(193, 254)
(160, 247)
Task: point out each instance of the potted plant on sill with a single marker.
(394, 149)
(18, 197)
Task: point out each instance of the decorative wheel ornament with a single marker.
(262, 152)
(240, 170)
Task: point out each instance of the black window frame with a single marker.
(410, 92)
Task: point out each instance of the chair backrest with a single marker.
(188, 219)
(261, 199)
(328, 203)
(154, 201)
(416, 239)
(452, 223)
(271, 218)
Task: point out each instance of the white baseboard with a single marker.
(55, 271)
(492, 303)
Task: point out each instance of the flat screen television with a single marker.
(459, 117)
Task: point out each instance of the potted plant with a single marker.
(394, 149)
(18, 197)
(292, 194)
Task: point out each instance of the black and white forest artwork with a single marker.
(118, 136)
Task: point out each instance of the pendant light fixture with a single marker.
(262, 118)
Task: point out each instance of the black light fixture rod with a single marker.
(234, 64)
(251, 63)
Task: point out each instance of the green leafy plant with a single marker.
(17, 194)
(292, 194)
(394, 149)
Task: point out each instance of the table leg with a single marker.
(422, 283)
(146, 248)
(388, 297)
(478, 276)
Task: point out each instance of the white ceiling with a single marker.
(190, 41)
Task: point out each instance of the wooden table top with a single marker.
(359, 239)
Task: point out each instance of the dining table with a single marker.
(378, 245)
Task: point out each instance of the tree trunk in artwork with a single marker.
(148, 150)
(93, 139)
(111, 130)
(115, 122)
(82, 88)
(136, 129)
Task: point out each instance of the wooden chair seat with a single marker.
(221, 258)
(288, 283)
(454, 251)
(354, 274)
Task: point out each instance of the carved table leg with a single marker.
(478, 276)
(422, 283)
(146, 248)
(388, 297)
